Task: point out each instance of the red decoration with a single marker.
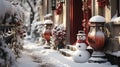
(79, 41)
(102, 3)
(86, 15)
(47, 35)
(59, 8)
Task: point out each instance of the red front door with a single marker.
(76, 18)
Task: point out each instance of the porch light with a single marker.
(62, 1)
(53, 4)
(96, 38)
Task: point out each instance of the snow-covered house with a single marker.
(74, 14)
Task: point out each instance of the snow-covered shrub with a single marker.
(37, 29)
(12, 17)
(59, 35)
(2, 11)
(59, 32)
(7, 58)
(10, 14)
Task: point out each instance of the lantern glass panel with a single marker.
(97, 27)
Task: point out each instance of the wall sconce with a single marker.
(53, 4)
(61, 1)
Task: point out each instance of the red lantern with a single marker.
(47, 35)
(47, 32)
(96, 37)
(96, 40)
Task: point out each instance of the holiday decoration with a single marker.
(86, 15)
(81, 38)
(59, 8)
(47, 32)
(81, 46)
(96, 38)
(102, 3)
(81, 55)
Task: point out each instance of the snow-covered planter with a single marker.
(59, 35)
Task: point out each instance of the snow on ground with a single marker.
(26, 61)
(35, 55)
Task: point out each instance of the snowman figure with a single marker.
(81, 55)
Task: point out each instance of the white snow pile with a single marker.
(50, 58)
(117, 20)
(48, 22)
(97, 18)
(2, 10)
(117, 53)
(114, 17)
(19, 13)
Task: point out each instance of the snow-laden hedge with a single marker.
(10, 15)
(7, 58)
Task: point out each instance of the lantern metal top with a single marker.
(48, 15)
(48, 22)
(97, 18)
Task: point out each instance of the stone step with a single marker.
(115, 60)
(71, 47)
(66, 52)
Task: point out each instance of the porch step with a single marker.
(66, 52)
(71, 47)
